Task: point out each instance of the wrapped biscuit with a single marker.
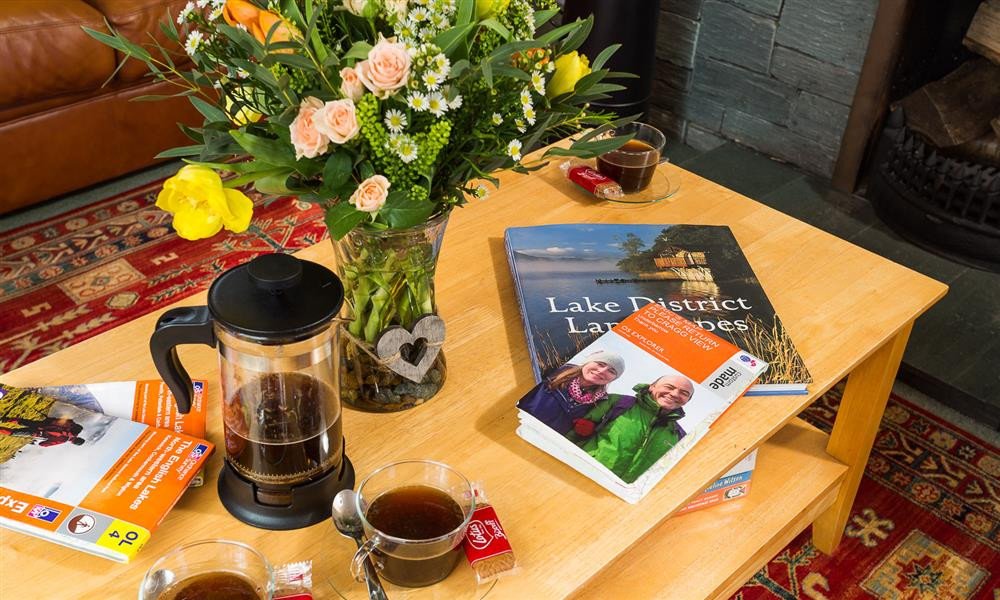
(486, 544)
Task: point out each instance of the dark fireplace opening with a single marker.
(934, 173)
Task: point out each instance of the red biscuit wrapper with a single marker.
(592, 180)
(486, 545)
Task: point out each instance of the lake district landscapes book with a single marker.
(574, 282)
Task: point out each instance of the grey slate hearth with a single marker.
(953, 349)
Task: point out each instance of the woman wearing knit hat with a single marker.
(571, 392)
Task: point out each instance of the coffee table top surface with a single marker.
(838, 301)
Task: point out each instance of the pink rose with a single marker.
(350, 86)
(371, 194)
(387, 68)
(306, 138)
(337, 121)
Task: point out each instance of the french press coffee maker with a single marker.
(272, 320)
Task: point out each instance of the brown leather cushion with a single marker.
(136, 20)
(45, 52)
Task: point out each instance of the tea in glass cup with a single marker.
(414, 514)
(218, 569)
(633, 165)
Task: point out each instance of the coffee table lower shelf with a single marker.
(712, 552)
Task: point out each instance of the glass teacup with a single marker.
(209, 569)
(414, 514)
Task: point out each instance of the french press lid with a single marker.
(276, 299)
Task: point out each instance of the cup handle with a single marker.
(362, 567)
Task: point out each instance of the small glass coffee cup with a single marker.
(634, 164)
(207, 569)
(414, 515)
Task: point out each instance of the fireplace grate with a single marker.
(946, 204)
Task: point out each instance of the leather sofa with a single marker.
(66, 116)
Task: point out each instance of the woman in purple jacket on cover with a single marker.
(571, 391)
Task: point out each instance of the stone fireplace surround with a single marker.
(778, 76)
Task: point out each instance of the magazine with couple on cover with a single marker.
(625, 409)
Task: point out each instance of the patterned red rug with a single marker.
(925, 523)
(86, 271)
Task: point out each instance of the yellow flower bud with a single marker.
(570, 68)
(201, 206)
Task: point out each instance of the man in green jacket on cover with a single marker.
(628, 434)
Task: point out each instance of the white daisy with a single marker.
(440, 21)
(185, 13)
(395, 120)
(395, 140)
(419, 14)
(480, 192)
(407, 150)
(529, 114)
(202, 3)
(514, 150)
(437, 104)
(550, 66)
(432, 80)
(218, 3)
(519, 123)
(497, 119)
(526, 97)
(538, 82)
(215, 14)
(455, 103)
(417, 101)
(195, 40)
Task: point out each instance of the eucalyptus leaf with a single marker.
(497, 27)
(209, 111)
(274, 183)
(578, 37)
(603, 57)
(194, 150)
(544, 16)
(280, 174)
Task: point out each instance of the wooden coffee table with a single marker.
(849, 311)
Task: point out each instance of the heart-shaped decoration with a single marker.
(411, 354)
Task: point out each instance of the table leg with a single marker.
(854, 431)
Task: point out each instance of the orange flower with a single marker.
(258, 22)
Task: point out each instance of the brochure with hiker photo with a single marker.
(575, 282)
(625, 409)
(87, 480)
(147, 401)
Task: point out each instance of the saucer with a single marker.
(460, 585)
(660, 188)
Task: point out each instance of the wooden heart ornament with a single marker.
(411, 354)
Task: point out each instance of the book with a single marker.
(87, 480)
(146, 401)
(625, 409)
(574, 282)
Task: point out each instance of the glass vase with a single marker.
(388, 280)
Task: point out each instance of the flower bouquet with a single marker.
(388, 113)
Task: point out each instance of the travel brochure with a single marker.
(87, 480)
(575, 282)
(626, 408)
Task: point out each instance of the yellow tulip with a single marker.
(244, 116)
(570, 68)
(489, 8)
(201, 206)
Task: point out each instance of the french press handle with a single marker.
(185, 325)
